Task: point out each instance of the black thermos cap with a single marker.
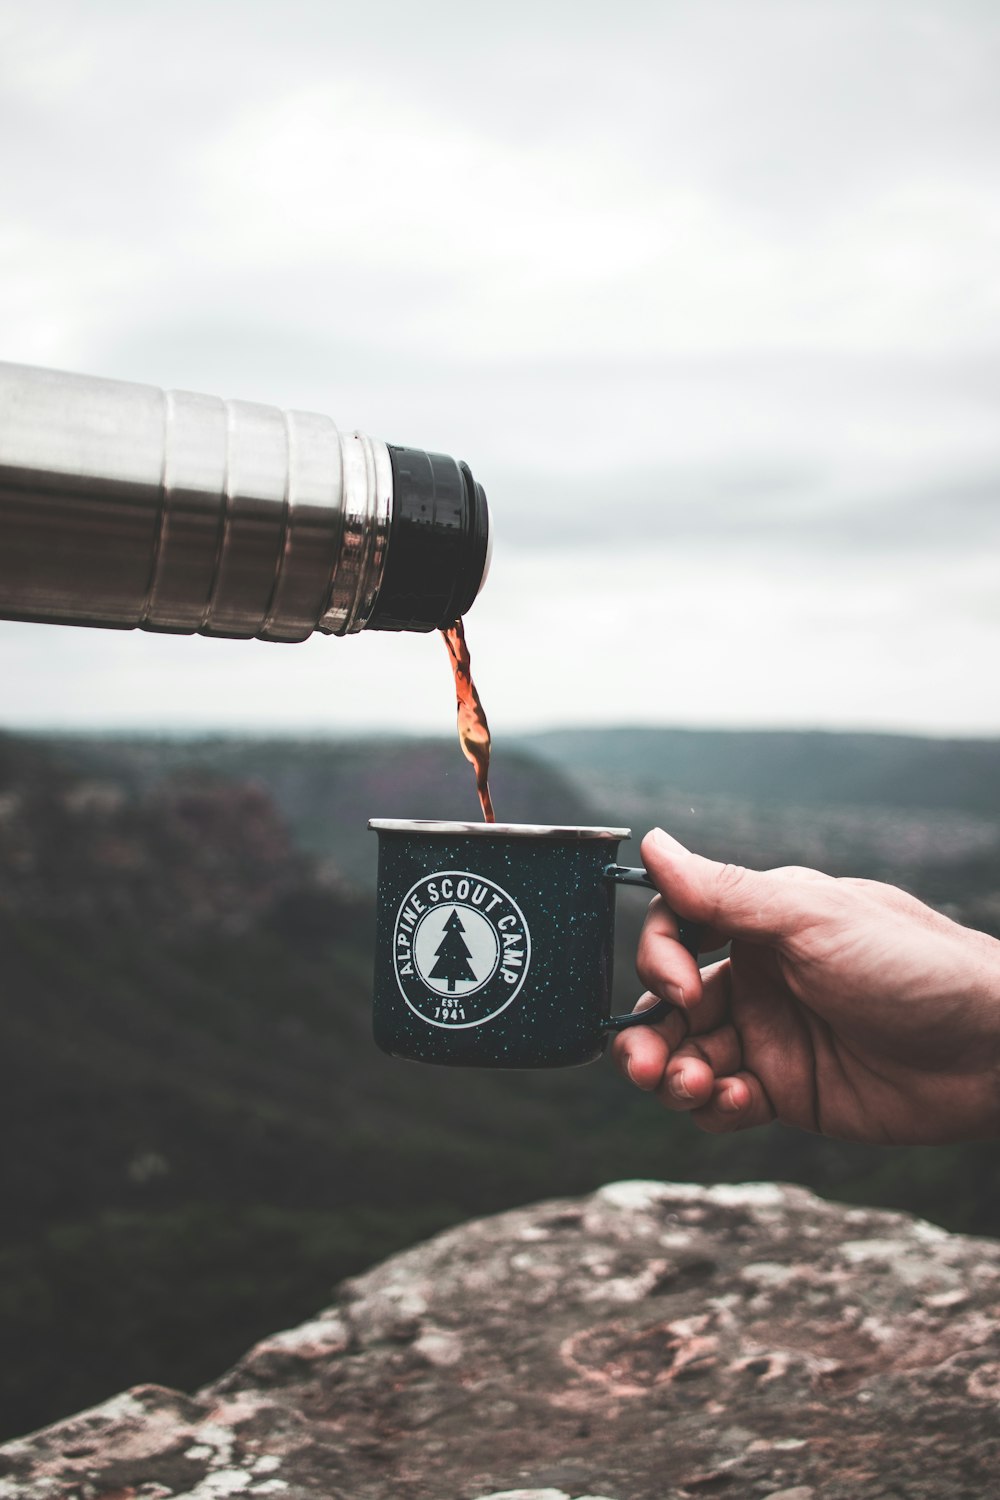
(438, 540)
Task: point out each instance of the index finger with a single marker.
(663, 963)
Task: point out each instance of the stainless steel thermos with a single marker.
(127, 506)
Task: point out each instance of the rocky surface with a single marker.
(650, 1342)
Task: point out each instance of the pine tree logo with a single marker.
(453, 957)
(461, 948)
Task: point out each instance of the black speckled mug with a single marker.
(495, 942)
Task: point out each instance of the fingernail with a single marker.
(674, 994)
(679, 1087)
(729, 1102)
(646, 1087)
(657, 835)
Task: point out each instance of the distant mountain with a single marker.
(800, 768)
(326, 790)
(922, 813)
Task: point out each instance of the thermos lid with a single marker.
(438, 546)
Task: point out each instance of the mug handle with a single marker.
(687, 934)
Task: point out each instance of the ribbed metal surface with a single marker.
(124, 505)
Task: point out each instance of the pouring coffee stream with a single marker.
(473, 730)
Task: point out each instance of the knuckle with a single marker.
(869, 893)
(798, 874)
(739, 892)
(732, 879)
(856, 885)
(729, 894)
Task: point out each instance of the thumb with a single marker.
(729, 899)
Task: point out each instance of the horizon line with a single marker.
(327, 732)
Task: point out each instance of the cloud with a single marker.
(700, 290)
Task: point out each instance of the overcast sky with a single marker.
(707, 294)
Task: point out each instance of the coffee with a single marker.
(473, 730)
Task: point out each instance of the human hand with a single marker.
(846, 1006)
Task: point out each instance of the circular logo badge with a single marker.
(460, 947)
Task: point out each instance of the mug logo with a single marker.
(460, 948)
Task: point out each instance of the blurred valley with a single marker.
(201, 1138)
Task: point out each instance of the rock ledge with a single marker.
(651, 1342)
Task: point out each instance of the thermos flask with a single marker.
(127, 506)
